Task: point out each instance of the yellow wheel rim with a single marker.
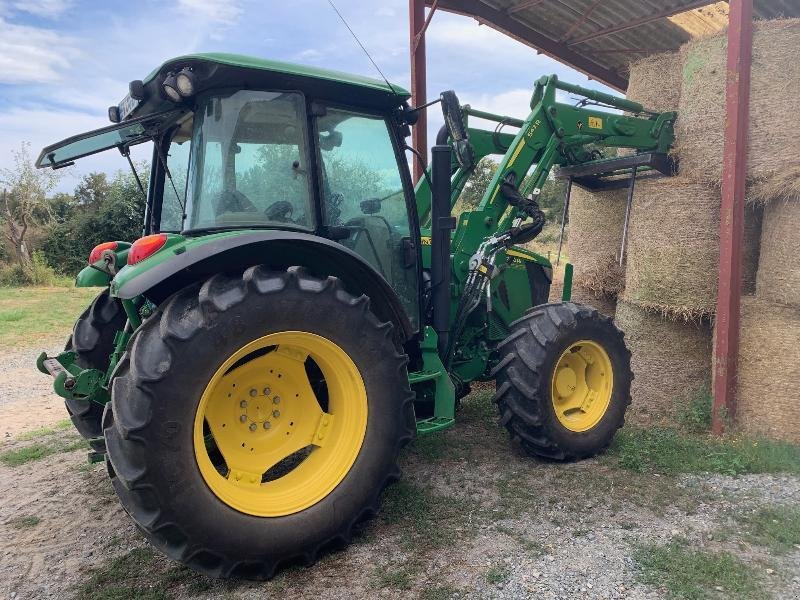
(268, 443)
(582, 384)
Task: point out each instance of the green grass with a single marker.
(399, 577)
(439, 592)
(672, 452)
(140, 574)
(776, 527)
(497, 574)
(36, 451)
(45, 431)
(689, 574)
(30, 314)
(25, 522)
(696, 416)
(425, 520)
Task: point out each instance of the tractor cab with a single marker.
(245, 144)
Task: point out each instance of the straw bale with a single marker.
(773, 150)
(655, 82)
(769, 369)
(778, 276)
(673, 247)
(751, 244)
(596, 220)
(605, 303)
(671, 362)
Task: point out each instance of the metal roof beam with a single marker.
(667, 12)
(522, 6)
(510, 26)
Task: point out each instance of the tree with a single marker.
(24, 203)
(476, 186)
(119, 216)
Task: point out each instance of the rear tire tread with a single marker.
(148, 360)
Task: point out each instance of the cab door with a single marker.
(366, 195)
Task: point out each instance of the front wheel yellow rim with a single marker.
(267, 441)
(582, 384)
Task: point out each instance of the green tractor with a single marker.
(296, 311)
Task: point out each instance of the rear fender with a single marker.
(195, 260)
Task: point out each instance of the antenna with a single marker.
(358, 41)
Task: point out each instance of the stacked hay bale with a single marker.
(595, 237)
(772, 171)
(769, 358)
(670, 359)
(670, 290)
(770, 320)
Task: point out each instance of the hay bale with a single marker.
(701, 112)
(671, 362)
(595, 236)
(769, 369)
(751, 245)
(778, 275)
(604, 302)
(673, 247)
(655, 81)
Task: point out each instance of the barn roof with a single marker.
(601, 37)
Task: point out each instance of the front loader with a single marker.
(296, 312)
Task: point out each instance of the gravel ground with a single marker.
(472, 518)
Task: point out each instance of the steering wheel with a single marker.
(233, 201)
(280, 211)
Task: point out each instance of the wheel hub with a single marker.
(276, 451)
(582, 385)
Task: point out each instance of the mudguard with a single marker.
(195, 258)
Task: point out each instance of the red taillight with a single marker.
(146, 246)
(97, 252)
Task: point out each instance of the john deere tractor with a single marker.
(296, 311)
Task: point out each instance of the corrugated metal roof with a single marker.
(601, 37)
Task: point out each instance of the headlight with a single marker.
(185, 81)
(170, 87)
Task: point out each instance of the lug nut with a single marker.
(253, 426)
(253, 393)
(267, 391)
(267, 425)
(276, 400)
(243, 403)
(276, 413)
(243, 418)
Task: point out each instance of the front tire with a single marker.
(563, 382)
(92, 340)
(209, 396)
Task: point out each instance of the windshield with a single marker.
(249, 162)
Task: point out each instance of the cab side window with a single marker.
(362, 191)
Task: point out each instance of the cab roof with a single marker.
(282, 68)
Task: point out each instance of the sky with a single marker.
(63, 62)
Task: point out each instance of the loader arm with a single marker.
(555, 133)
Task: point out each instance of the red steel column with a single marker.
(734, 170)
(419, 135)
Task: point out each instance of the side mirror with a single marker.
(454, 121)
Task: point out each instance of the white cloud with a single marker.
(42, 126)
(33, 54)
(308, 54)
(49, 9)
(223, 12)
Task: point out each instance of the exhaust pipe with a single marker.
(442, 223)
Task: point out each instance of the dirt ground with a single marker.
(472, 518)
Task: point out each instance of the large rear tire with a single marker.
(92, 340)
(563, 382)
(256, 419)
